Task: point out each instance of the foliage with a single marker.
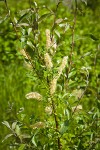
(62, 59)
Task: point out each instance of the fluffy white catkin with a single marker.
(48, 39)
(34, 95)
(53, 85)
(63, 65)
(48, 61)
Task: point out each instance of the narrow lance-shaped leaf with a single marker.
(17, 130)
(14, 125)
(33, 141)
(22, 17)
(6, 137)
(44, 16)
(93, 37)
(6, 124)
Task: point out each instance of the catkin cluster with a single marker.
(50, 45)
(34, 95)
(26, 56)
(76, 108)
(48, 39)
(47, 57)
(63, 65)
(48, 61)
(48, 110)
(53, 83)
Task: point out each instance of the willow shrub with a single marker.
(64, 74)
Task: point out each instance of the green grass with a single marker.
(13, 86)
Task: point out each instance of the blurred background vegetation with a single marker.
(14, 81)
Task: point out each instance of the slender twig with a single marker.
(53, 103)
(73, 34)
(56, 123)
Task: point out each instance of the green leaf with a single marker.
(30, 44)
(22, 24)
(62, 25)
(57, 33)
(25, 136)
(71, 74)
(72, 83)
(67, 113)
(22, 17)
(33, 141)
(87, 54)
(22, 146)
(93, 37)
(17, 130)
(34, 4)
(23, 12)
(7, 136)
(14, 125)
(29, 31)
(6, 124)
(44, 16)
(63, 129)
(84, 1)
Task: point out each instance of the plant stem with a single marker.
(72, 44)
(56, 123)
